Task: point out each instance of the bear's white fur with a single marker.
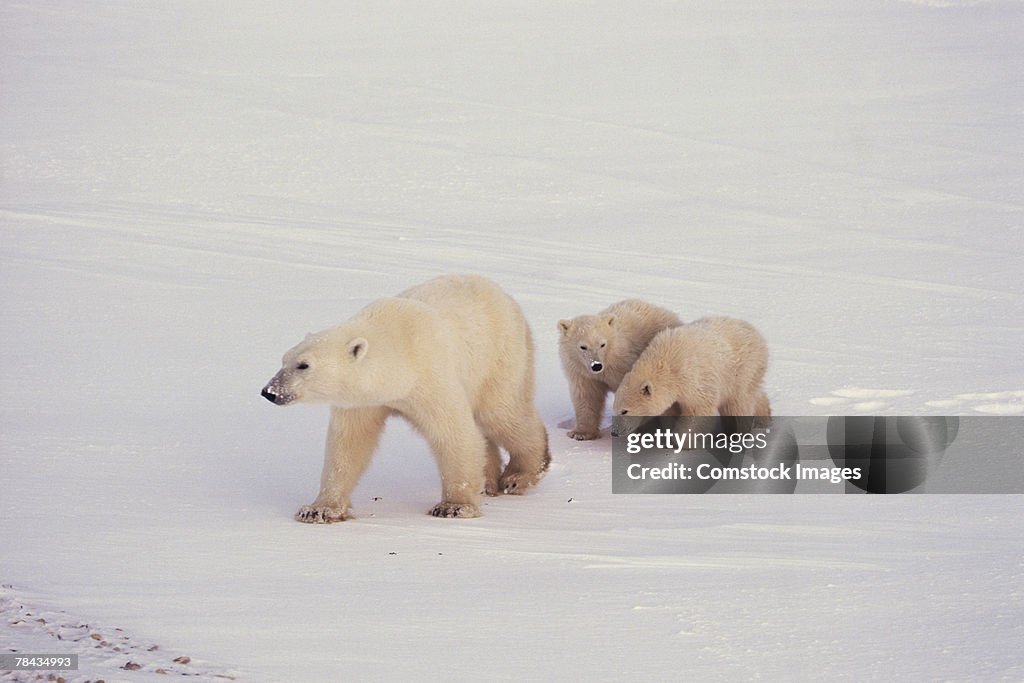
(454, 356)
(712, 366)
(598, 350)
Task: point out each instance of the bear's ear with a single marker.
(563, 326)
(357, 348)
(646, 389)
(609, 320)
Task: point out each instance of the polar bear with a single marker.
(598, 350)
(711, 366)
(453, 356)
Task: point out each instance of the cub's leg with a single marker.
(588, 397)
(754, 404)
(762, 409)
(737, 405)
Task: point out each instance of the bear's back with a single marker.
(697, 344)
(472, 305)
(481, 326)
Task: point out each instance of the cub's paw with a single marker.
(580, 435)
(491, 489)
(464, 510)
(321, 514)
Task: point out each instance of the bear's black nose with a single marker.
(268, 395)
(596, 367)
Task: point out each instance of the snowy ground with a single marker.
(188, 190)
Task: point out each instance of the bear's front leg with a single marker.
(352, 437)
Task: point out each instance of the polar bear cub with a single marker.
(453, 356)
(598, 350)
(712, 366)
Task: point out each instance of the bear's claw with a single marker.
(463, 510)
(313, 514)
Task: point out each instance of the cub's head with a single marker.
(586, 339)
(642, 394)
(347, 366)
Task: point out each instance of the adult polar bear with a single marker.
(454, 356)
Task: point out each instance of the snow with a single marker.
(188, 189)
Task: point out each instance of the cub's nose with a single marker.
(269, 395)
(596, 366)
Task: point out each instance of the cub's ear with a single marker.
(357, 348)
(609, 320)
(563, 326)
(646, 389)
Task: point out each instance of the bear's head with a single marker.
(353, 365)
(588, 339)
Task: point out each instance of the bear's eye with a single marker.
(302, 366)
(604, 344)
(583, 347)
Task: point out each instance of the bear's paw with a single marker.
(321, 514)
(583, 436)
(516, 483)
(463, 510)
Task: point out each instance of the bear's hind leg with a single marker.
(461, 452)
(492, 470)
(526, 441)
